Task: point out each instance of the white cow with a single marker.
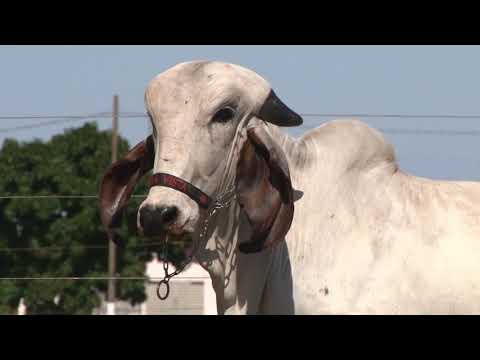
(323, 224)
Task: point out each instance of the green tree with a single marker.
(69, 164)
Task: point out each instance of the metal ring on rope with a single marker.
(164, 281)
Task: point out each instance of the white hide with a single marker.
(366, 237)
(381, 241)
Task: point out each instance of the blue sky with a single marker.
(64, 80)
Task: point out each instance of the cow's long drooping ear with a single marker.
(276, 112)
(264, 190)
(119, 182)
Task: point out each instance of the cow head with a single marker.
(195, 109)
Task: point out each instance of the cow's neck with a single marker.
(238, 279)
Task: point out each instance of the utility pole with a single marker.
(112, 256)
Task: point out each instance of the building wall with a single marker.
(185, 298)
(191, 291)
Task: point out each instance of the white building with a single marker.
(191, 293)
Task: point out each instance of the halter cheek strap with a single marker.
(171, 181)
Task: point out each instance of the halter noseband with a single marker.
(171, 181)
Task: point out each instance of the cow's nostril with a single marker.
(168, 214)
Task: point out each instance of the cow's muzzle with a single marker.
(156, 220)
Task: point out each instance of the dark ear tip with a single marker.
(292, 120)
(250, 248)
(297, 121)
(276, 112)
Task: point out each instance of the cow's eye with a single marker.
(223, 115)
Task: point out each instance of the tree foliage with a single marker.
(65, 234)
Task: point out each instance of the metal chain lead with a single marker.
(168, 276)
(222, 201)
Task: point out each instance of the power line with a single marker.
(63, 120)
(54, 196)
(46, 123)
(140, 114)
(401, 116)
(385, 130)
(72, 118)
(430, 132)
(405, 131)
(80, 247)
(145, 278)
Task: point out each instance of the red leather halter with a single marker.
(167, 180)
